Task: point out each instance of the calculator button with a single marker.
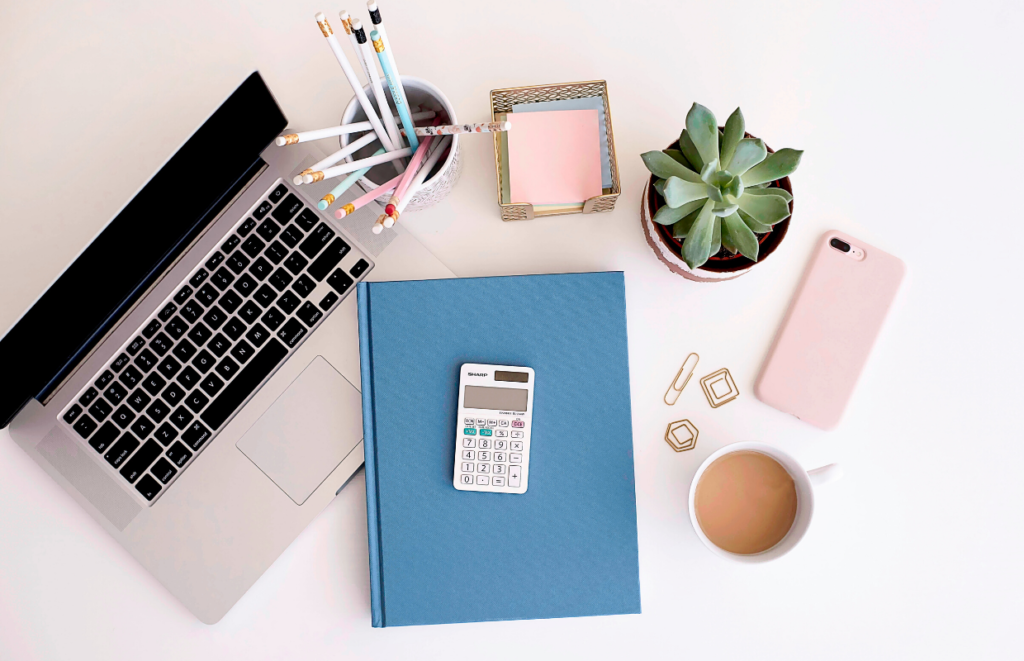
(467, 479)
(517, 434)
(500, 433)
(469, 422)
(491, 423)
(515, 474)
(497, 481)
(483, 455)
(467, 467)
(516, 458)
(503, 423)
(468, 454)
(469, 442)
(518, 423)
(499, 469)
(500, 456)
(469, 432)
(485, 432)
(500, 445)
(481, 422)
(516, 446)
(482, 480)
(483, 468)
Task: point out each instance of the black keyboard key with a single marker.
(243, 385)
(214, 261)
(161, 344)
(303, 285)
(316, 241)
(296, 263)
(115, 392)
(276, 252)
(89, 395)
(189, 378)
(230, 244)
(200, 334)
(261, 268)
(148, 487)
(124, 447)
(168, 367)
(327, 260)
(72, 414)
(246, 227)
(268, 229)
(168, 310)
(158, 410)
(309, 314)
(184, 351)
(135, 346)
(237, 262)
(288, 302)
(227, 368)
(340, 282)
(183, 295)
(191, 311)
(199, 278)
(181, 417)
(262, 210)
(102, 439)
(119, 362)
(196, 401)
(150, 330)
(291, 332)
(230, 301)
(307, 219)
(222, 278)
(100, 410)
(234, 328)
(253, 246)
(265, 295)
(359, 268)
(219, 345)
(145, 360)
(211, 384)
(250, 312)
(291, 236)
(123, 416)
(245, 285)
(139, 400)
(143, 427)
(207, 294)
(328, 301)
(215, 317)
(165, 435)
(257, 335)
(176, 327)
(287, 209)
(153, 383)
(85, 426)
(163, 470)
(141, 460)
(278, 193)
(179, 455)
(273, 318)
(243, 351)
(281, 279)
(130, 376)
(104, 379)
(203, 361)
(195, 435)
(174, 394)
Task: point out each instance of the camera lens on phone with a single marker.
(840, 245)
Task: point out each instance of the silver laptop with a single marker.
(192, 378)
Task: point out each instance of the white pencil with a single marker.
(341, 129)
(440, 149)
(369, 60)
(345, 184)
(315, 170)
(345, 168)
(378, 25)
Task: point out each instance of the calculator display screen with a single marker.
(495, 399)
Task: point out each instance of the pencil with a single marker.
(346, 168)
(345, 184)
(397, 91)
(440, 149)
(363, 200)
(342, 129)
(378, 25)
(407, 178)
(453, 129)
(369, 61)
(316, 169)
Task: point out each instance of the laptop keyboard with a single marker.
(213, 343)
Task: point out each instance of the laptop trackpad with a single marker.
(307, 432)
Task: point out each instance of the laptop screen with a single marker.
(146, 236)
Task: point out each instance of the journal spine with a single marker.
(370, 452)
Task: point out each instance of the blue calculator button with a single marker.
(471, 432)
(485, 432)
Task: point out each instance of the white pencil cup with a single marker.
(419, 93)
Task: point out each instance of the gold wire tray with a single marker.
(502, 101)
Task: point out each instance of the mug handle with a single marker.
(825, 474)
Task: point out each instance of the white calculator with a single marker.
(492, 443)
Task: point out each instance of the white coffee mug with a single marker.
(804, 481)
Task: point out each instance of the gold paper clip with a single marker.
(682, 378)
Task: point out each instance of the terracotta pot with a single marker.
(722, 266)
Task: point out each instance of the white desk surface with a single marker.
(910, 115)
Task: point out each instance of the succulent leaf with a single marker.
(749, 152)
(702, 127)
(727, 241)
(778, 165)
(667, 215)
(697, 247)
(678, 156)
(723, 209)
(765, 209)
(736, 232)
(755, 226)
(659, 186)
(735, 127)
(708, 171)
(679, 192)
(781, 192)
(716, 237)
(664, 166)
(680, 229)
(688, 150)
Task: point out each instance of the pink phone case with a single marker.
(827, 335)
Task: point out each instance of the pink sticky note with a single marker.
(554, 157)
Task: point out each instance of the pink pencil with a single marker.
(366, 198)
(410, 174)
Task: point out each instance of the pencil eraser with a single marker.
(375, 35)
(307, 178)
(280, 141)
(297, 180)
(321, 205)
(339, 214)
(343, 15)
(320, 17)
(389, 221)
(505, 126)
(356, 24)
(378, 228)
(371, 5)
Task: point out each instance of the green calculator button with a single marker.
(472, 432)
(485, 432)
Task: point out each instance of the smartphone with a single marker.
(827, 335)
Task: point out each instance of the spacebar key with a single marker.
(244, 384)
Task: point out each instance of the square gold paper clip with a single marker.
(719, 388)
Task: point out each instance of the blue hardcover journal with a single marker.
(568, 546)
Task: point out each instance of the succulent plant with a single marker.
(715, 187)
